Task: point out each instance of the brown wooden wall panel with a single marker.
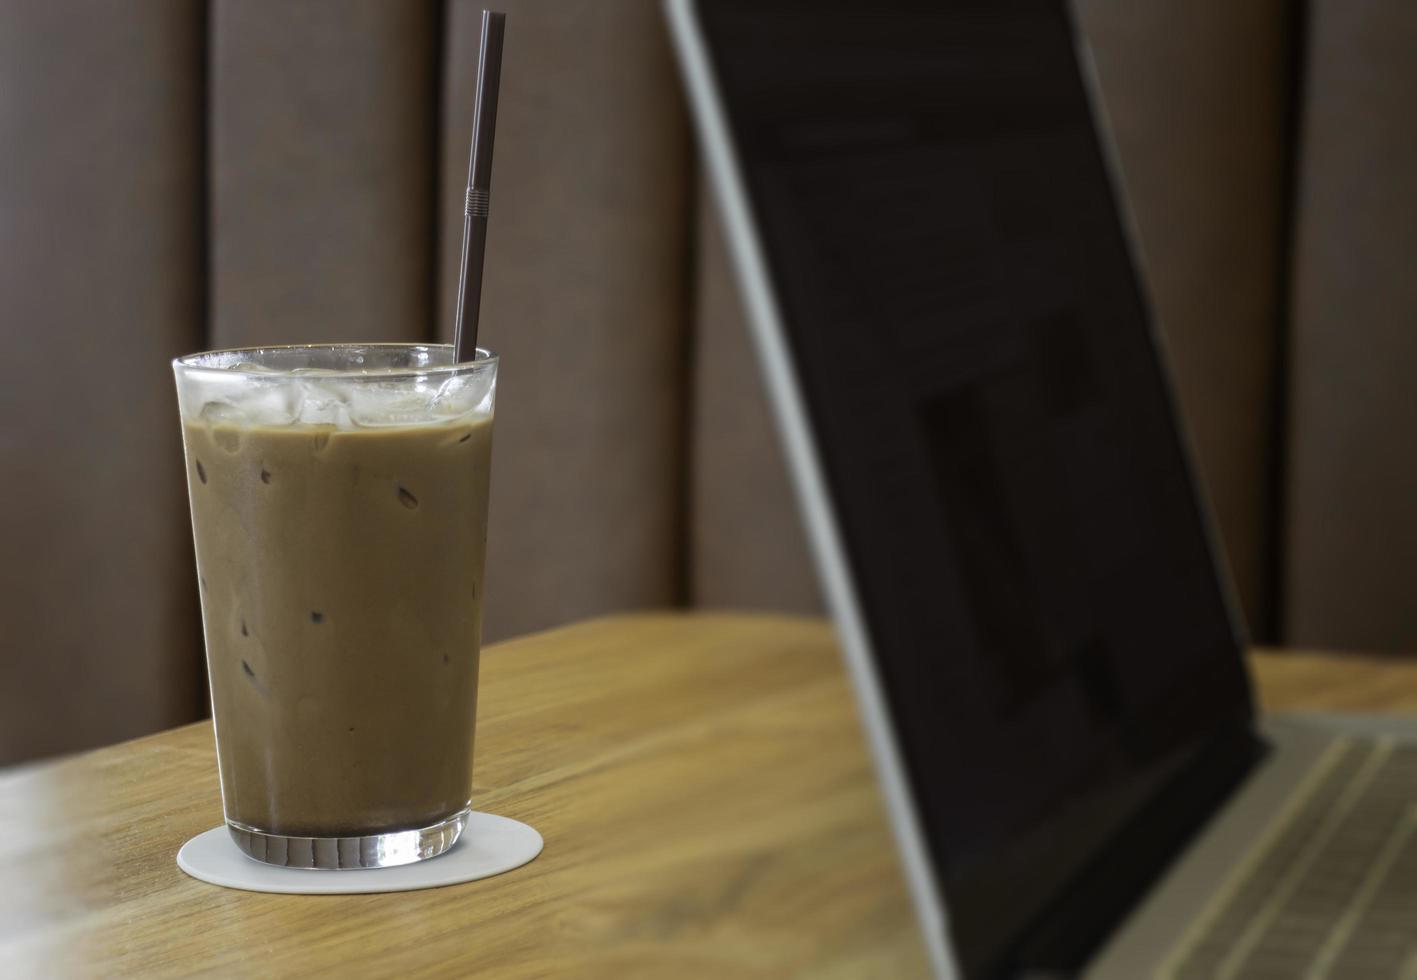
(584, 297)
(323, 155)
(100, 266)
(748, 546)
(177, 174)
(1352, 525)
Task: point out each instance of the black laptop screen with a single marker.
(996, 430)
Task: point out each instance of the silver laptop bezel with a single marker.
(789, 411)
(810, 486)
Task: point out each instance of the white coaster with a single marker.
(489, 845)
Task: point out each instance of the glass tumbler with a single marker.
(339, 511)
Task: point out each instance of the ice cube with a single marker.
(218, 413)
(461, 396)
(322, 397)
(323, 403)
(382, 405)
(265, 404)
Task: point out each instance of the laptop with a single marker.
(928, 230)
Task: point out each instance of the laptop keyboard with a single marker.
(1333, 893)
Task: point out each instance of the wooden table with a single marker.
(700, 781)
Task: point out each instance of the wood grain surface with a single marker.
(700, 781)
(1304, 681)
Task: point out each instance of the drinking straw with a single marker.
(479, 188)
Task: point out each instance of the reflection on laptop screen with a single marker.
(993, 422)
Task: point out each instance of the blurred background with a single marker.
(186, 174)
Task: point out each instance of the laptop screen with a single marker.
(994, 422)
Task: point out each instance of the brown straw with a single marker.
(479, 188)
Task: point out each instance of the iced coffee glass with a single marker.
(339, 510)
